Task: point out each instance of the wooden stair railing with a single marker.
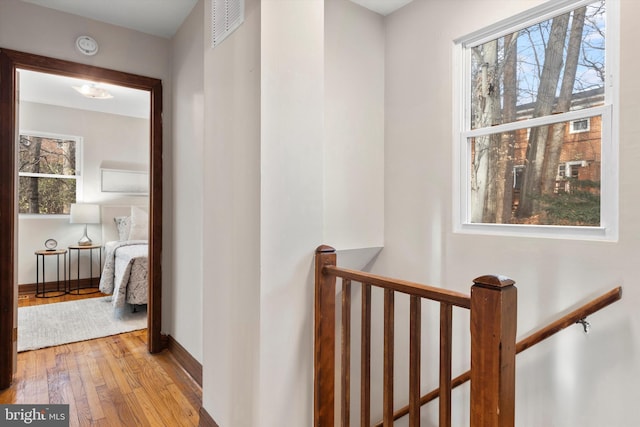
(575, 316)
(492, 306)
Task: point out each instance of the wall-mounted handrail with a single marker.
(571, 318)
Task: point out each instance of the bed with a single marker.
(125, 236)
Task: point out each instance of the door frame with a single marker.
(10, 61)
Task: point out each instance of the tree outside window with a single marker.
(536, 99)
(48, 174)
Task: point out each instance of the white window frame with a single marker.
(608, 229)
(569, 167)
(79, 168)
(573, 130)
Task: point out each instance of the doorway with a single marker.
(10, 61)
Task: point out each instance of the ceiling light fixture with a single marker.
(93, 92)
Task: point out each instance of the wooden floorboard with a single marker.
(111, 381)
(26, 300)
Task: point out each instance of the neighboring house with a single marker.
(580, 158)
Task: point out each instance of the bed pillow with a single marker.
(139, 224)
(123, 225)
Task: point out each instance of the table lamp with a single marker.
(84, 213)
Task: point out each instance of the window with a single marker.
(570, 170)
(48, 173)
(581, 125)
(535, 150)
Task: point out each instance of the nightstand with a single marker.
(79, 249)
(40, 257)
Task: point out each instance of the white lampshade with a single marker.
(84, 213)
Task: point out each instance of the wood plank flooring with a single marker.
(26, 300)
(111, 381)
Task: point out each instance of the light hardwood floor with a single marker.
(110, 381)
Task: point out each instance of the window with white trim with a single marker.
(582, 125)
(535, 98)
(48, 173)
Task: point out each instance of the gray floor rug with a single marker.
(59, 323)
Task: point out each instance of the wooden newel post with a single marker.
(324, 340)
(493, 351)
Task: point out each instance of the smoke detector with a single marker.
(87, 45)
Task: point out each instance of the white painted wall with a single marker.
(105, 137)
(291, 223)
(188, 126)
(354, 126)
(231, 223)
(265, 144)
(571, 379)
(48, 32)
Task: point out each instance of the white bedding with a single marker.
(125, 272)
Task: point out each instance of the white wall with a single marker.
(291, 204)
(48, 32)
(264, 187)
(354, 126)
(231, 223)
(188, 126)
(105, 137)
(571, 379)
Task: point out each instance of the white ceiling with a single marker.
(157, 17)
(383, 7)
(162, 17)
(58, 90)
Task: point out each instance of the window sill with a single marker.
(540, 231)
(44, 216)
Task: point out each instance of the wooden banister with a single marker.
(406, 287)
(492, 304)
(365, 358)
(387, 365)
(446, 351)
(415, 338)
(534, 338)
(493, 352)
(345, 363)
(324, 339)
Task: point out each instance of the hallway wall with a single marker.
(570, 379)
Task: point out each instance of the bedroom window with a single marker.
(48, 173)
(532, 94)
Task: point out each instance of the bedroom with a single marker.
(109, 138)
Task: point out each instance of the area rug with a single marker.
(47, 325)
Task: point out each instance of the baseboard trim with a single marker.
(205, 419)
(185, 359)
(193, 368)
(30, 288)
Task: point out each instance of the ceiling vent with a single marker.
(226, 16)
